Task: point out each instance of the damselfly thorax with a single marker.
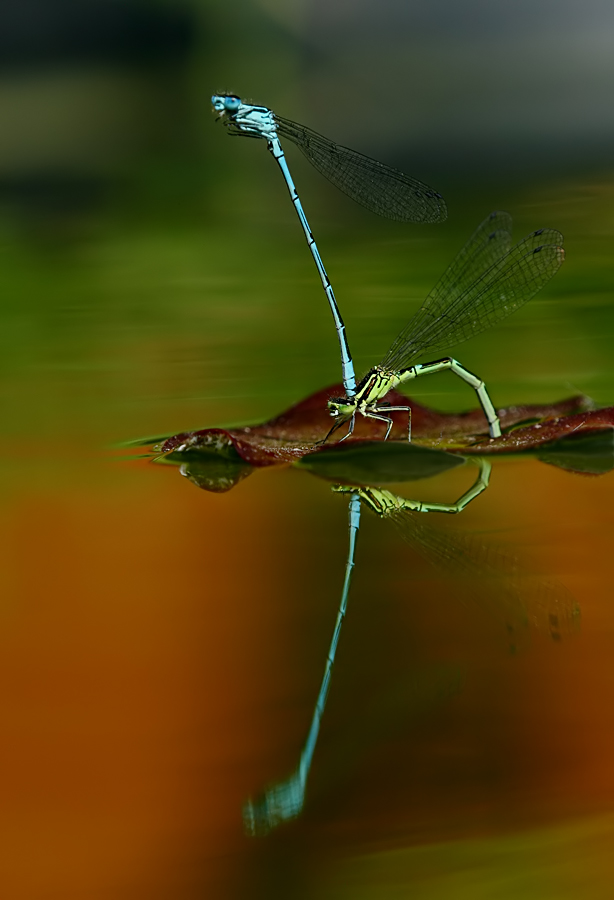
(374, 387)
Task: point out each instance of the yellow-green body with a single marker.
(379, 381)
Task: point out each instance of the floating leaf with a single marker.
(299, 431)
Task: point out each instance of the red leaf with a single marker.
(296, 432)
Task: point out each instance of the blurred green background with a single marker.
(153, 275)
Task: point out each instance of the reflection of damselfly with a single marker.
(551, 607)
(494, 578)
(486, 282)
(378, 187)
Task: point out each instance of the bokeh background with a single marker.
(161, 647)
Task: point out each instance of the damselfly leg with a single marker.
(406, 409)
(339, 424)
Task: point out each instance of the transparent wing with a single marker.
(380, 188)
(478, 303)
(490, 241)
(495, 579)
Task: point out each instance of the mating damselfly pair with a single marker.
(487, 281)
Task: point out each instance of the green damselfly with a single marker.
(488, 280)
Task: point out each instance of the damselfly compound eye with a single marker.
(232, 104)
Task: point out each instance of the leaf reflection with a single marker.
(589, 453)
(218, 467)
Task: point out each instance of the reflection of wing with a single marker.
(380, 188)
(494, 578)
(486, 283)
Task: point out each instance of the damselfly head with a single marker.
(341, 407)
(226, 103)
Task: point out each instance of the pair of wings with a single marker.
(488, 281)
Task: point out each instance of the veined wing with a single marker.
(490, 241)
(380, 188)
(504, 287)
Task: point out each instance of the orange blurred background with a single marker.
(162, 648)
